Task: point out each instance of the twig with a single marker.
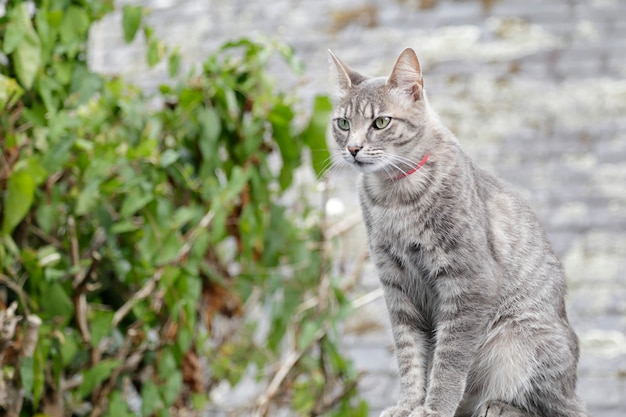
(17, 289)
(143, 293)
(101, 395)
(367, 298)
(343, 226)
(31, 336)
(74, 256)
(190, 236)
(8, 323)
(263, 403)
(329, 403)
(27, 349)
(79, 298)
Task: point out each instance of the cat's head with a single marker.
(378, 122)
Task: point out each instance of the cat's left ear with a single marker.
(407, 74)
(345, 76)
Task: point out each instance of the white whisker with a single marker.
(404, 161)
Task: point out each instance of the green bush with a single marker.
(151, 250)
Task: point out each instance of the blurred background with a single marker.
(536, 92)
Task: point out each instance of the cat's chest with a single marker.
(402, 225)
(409, 234)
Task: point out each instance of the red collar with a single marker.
(419, 165)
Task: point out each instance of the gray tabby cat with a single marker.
(474, 291)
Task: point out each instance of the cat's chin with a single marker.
(365, 167)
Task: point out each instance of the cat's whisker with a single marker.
(410, 165)
(326, 165)
(331, 167)
(329, 162)
(392, 164)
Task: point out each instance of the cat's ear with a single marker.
(345, 77)
(407, 74)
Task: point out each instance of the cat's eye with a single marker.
(381, 122)
(343, 124)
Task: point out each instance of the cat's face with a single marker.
(377, 122)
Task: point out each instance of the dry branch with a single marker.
(264, 401)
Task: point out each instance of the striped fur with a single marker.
(475, 293)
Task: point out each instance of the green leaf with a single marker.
(26, 51)
(124, 226)
(56, 303)
(94, 376)
(170, 391)
(281, 117)
(303, 397)
(131, 21)
(34, 168)
(169, 249)
(135, 201)
(63, 71)
(169, 157)
(166, 364)
(315, 134)
(69, 348)
(118, 406)
(27, 373)
(151, 401)
(184, 339)
(39, 368)
(199, 400)
(77, 17)
(100, 323)
(88, 199)
(84, 84)
(173, 63)
(155, 52)
(18, 199)
(211, 126)
(16, 28)
(58, 154)
(73, 30)
(307, 334)
(10, 92)
(46, 217)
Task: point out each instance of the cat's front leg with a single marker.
(465, 305)
(411, 351)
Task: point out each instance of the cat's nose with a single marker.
(354, 150)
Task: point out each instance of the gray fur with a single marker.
(474, 291)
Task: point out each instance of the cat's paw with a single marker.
(397, 411)
(497, 409)
(424, 412)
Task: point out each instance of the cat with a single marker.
(475, 294)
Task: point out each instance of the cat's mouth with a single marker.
(364, 166)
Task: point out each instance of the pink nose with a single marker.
(354, 150)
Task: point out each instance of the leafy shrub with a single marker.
(152, 250)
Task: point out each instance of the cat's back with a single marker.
(514, 229)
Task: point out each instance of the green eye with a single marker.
(343, 124)
(381, 122)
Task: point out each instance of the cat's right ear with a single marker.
(407, 74)
(345, 77)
